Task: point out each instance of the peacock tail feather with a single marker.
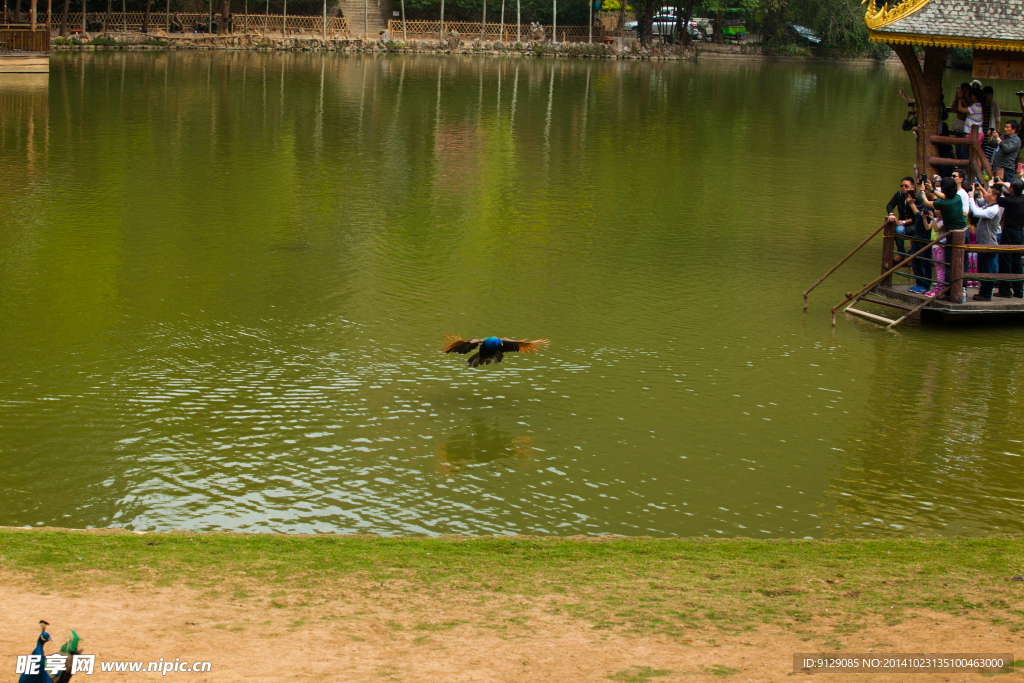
(70, 647)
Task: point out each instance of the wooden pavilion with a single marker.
(994, 30)
(25, 48)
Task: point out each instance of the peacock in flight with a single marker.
(491, 348)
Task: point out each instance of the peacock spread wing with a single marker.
(521, 345)
(457, 344)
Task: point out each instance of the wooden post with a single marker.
(519, 24)
(168, 29)
(83, 18)
(442, 22)
(325, 20)
(927, 85)
(483, 25)
(405, 36)
(284, 21)
(554, 22)
(590, 17)
(888, 242)
(501, 31)
(956, 266)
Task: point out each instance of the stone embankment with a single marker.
(453, 44)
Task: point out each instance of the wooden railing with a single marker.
(259, 23)
(468, 30)
(24, 39)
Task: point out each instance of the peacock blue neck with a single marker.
(492, 343)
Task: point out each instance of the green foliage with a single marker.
(962, 57)
(840, 23)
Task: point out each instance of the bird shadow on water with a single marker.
(479, 442)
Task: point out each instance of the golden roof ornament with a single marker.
(877, 17)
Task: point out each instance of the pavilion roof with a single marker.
(977, 24)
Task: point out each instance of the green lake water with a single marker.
(224, 279)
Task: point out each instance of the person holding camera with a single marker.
(901, 203)
(921, 235)
(1012, 202)
(948, 203)
(989, 217)
(1004, 161)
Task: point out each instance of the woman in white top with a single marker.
(974, 115)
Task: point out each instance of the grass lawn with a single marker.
(627, 585)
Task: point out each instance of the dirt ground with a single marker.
(363, 632)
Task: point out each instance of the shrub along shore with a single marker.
(644, 585)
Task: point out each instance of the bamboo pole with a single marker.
(325, 20)
(405, 36)
(519, 25)
(483, 24)
(83, 18)
(284, 21)
(168, 17)
(442, 22)
(245, 18)
(554, 22)
(590, 29)
(501, 31)
(845, 259)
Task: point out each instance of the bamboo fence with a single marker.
(468, 30)
(259, 23)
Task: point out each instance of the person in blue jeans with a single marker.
(899, 208)
(989, 215)
(921, 235)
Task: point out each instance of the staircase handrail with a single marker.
(874, 283)
(890, 219)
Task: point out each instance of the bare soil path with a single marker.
(352, 630)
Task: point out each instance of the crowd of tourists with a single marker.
(991, 210)
(993, 213)
(975, 113)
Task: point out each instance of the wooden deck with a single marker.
(24, 63)
(997, 308)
